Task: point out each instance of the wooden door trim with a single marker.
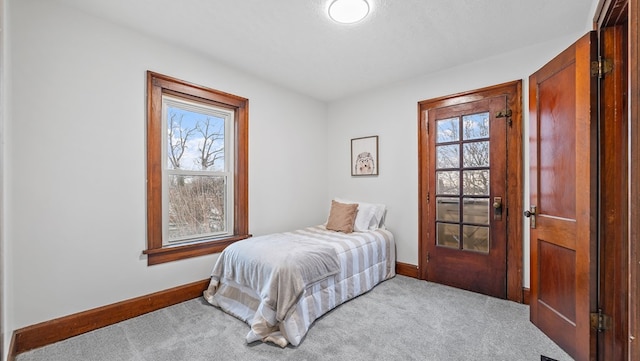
(515, 191)
(634, 179)
(614, 274)
(634, 170)
(621, 262)
(611, 13)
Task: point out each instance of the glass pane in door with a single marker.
(475, 182)
(448, 209)
(447, 130)
(475, 154)
(475, 238)
(447, 156)
(476, 210)
(476, 126)
(448, 182)
(448, 235)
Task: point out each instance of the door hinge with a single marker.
(428, 257)
(428, 197)
(503, 113)
(600, 321)
(601, 67)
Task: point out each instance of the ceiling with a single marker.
(293, 43)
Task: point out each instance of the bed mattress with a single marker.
(281, 308)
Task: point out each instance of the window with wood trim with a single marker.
(197, 169)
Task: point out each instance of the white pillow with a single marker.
(369, 216)
(378, 220)
(366, 214)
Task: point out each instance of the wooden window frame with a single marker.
(157, 86)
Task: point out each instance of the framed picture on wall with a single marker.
(364, 156)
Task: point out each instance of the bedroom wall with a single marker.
(76, 215)
(74, 172)
(392, 114)
(3, 261)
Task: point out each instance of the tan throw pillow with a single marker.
(341, 217)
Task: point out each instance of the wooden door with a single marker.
(563, 190)
(466, 177)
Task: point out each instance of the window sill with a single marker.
(174, 253)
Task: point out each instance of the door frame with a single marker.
(620, 253)
(634, 179)
(613, 200)
(625, 343)
(514, 192)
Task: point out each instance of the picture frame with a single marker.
(364, 156)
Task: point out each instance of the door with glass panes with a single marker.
(466, 223)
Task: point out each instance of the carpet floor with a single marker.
(400, 319)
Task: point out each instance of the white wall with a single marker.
(4, 340)
(73, 158)
(76, 173)
(392, 114)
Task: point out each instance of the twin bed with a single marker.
(281, 283)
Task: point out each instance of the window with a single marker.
(197, 198)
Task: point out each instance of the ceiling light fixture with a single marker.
(348, 11)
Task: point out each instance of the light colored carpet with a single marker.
(400, 319)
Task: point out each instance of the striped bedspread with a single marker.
(365, 259)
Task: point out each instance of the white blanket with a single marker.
(279, 267)
(365, 258)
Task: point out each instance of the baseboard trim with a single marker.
(406, 269)
(59, 329)
(49, 332)
(525, 295)
(11, 356)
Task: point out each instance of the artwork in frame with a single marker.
(364, 156)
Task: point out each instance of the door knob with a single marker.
(531, 213)
(497, 208)
(497, 203)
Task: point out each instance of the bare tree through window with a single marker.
(197, 194)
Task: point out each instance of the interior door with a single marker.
(466, 245)
(563, 190)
